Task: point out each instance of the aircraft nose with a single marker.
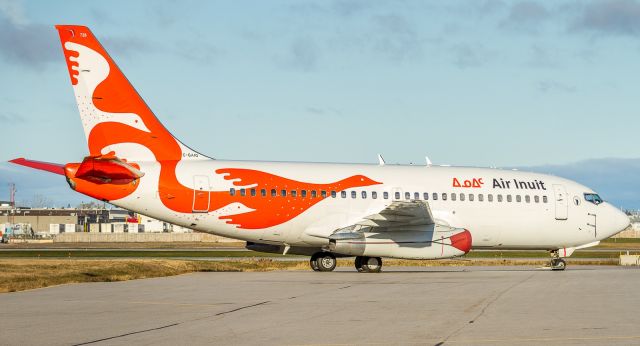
(616, 221)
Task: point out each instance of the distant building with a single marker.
(56, 221)
(4, 205)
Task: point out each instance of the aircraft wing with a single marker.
(401, 213)
(394, 217)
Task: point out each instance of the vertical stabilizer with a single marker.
(114, 116)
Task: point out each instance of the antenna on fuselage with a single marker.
(380, 160)
(429, 163)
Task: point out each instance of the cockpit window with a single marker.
(593, 198)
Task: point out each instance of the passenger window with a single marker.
(333, 194)
(518, 198)
(489, 198)
(527, 199)
(314, 193)
(364, 194)
(385, 195)
(407, 195)
(294, 193)
(273, 193)
(343, 194)
(435, 196)
(471, 197)
(544, 199)
(323, 193)
(453, 196)
(243, 192)
(263, 192)
(303, 193)
(536, 199)
(374, 194)
(232, 191)
(509, 198)
(253, 192)
(444, 196)
(499, 198)
(353, 194)
(396, 195)
(462, 197)
(283, 193)
(425, 196)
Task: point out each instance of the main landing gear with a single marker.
(366, 264)
(323, 262)
(557, 263)
(326, 262)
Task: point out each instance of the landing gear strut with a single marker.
(323, 262)
(366, 264)
(557, 263)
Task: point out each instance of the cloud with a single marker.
(348, 8)
(613, 17)
(303, 54)
(342, 8)
(542, 57)
(13, 11)
(8, 119)
(126, 46)
(614, 179)
(31, 45)
(553, 86)
(466, 56)
(323, 112)
(396, 38)
(525, 16)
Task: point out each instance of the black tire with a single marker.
(559, 264)
(313, 262)
(358, 263)
(371, 264)
(326, 262)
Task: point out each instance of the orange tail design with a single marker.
(113, 114)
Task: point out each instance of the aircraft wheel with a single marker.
(558, 264)
(358, 263)
(313, 261)
(371, 264)
(325, 261)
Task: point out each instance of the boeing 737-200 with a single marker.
(323, 210)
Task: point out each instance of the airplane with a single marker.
(324, 210)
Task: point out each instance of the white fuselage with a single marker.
(501, 208)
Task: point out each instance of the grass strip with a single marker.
(252, 254)
(24, 274)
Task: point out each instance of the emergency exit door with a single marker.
(201, 194)
(562, 203)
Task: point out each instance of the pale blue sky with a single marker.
(486, 83)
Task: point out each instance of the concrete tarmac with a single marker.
(427, 306)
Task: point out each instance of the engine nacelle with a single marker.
(438, 242)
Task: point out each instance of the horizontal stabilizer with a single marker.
(41, 165)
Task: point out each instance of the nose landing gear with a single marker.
(557, 263)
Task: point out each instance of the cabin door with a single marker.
(562, 203)
(201, 194)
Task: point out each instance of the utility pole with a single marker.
(12, 194)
